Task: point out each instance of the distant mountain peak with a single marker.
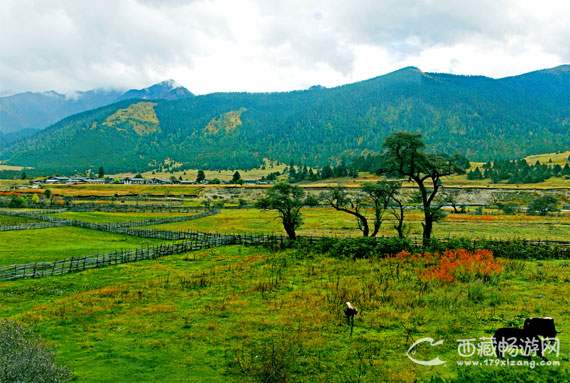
(166, 90)
(31, 110)
(410, 68)
(172, 84)
(51, 93)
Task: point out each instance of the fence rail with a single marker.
(133, 227)
(198, 241)
(122, 208)
(32, 225)
(166, 208)
(193, 241)
(42, 269)
(126, 227)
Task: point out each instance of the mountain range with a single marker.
(32, 111)
(480, 117)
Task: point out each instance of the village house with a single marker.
(57, 180)
(160, 181)
(96, 181)
(134, 181)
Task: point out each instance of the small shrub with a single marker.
(25, 358)
(451, 244)
(508, 249)
(514, 265)
(387, 246)
(475, 293)
(272, 361)
(367, 247)
(325, 245)
(522, 250)
(455, 265)
(17, 201)
(509, 208)
(354, 248)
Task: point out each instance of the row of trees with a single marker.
(236, 178)
(403, 155)
(305, 173)
(539, 206)
(518, 171)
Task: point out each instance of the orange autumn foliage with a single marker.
(454, 265)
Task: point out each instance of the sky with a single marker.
(266, 45)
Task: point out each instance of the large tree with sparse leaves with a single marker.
(404, 155)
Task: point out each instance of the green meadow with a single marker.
(329, 222)
(12, 220)
(236, 313)
(110, 217)
(241, 314)
(40, 245)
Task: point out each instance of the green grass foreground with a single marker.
(42, 245)
(231, 313)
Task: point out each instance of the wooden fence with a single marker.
(160, 221)
(133, 228)
(197, 241)
(116, 208)
(193, 241)
(32, 225)
(42, 269)
(112, 208)
(126, 227)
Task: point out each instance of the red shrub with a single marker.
(453, 265)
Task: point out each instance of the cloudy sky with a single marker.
(267, 45)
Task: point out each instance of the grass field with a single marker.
(123, 190)
(329, 222)
(26, 246)
(557, 158)
(11, 220)
(224, 175)
(6, 184)
(108, 217)
(10, 167)
(234, 312)
(459, 181)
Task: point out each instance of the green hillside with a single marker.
(480, 117)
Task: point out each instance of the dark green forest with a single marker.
(478, 117)
(516, 172)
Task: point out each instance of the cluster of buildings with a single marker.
(76, 180)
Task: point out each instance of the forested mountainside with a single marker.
(479, 117)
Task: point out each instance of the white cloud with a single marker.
(269, 45)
